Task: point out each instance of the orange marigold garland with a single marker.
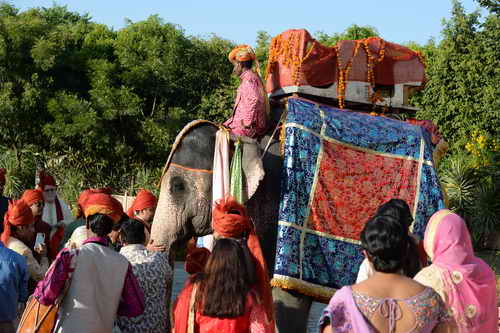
(287, 52)
(343, 73)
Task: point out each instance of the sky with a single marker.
(396, 20)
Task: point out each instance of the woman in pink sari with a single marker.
(387, 301)
(465, 283)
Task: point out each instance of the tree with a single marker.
(462, 91)
(354, 31)
(491, 5)
(100, 103)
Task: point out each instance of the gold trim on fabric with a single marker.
(192, 310)
(431, 230)
(418, 180)
(319, 293)
(348, 145)
(319, 233)
(311, 195)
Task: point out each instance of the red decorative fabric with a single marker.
(352, 178)
(19, 213)
(230, 220)
(144, 199)
(430, 127)
(297, 59)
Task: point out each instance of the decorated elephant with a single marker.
(296, 206)
(184, 205)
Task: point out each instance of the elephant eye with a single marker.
(177, 185)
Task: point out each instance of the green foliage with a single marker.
(262, 49)
(491, 5)
(102, 103)
(21, 168)
(462, 91)
(473, 192)
(354, 31)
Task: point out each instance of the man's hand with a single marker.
(155, 248)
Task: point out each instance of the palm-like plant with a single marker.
(459, 181)
(473, 193)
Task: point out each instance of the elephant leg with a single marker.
(292, 310)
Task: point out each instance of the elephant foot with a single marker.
(292, 310)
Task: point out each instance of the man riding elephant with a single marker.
(251, 105)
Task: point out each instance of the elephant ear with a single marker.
(253, 169)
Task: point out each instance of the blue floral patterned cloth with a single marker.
(339, 166)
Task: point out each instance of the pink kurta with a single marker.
(249, 117)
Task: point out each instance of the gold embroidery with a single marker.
(470, 311)
(456, 277)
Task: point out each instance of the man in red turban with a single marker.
(34, 199)
(55, 212)
(143, 209)
(18, 235)
(251, 106)
(4, 201)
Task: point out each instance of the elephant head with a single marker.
(184, 205)
(185, 202)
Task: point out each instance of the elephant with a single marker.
(185, 201)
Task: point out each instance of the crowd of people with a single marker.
(106, 275)
(98, 266)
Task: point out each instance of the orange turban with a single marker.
(3, 172)
(84, 195)
(144, 199)
(102, 203)
(230, 220)
(32, 196)
(19, 213)
(242, 53)
(46, 179)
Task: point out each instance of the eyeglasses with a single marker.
(40, 203)
(50, 190)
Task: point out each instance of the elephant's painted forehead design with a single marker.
(190, 169)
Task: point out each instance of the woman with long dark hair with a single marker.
(229, 295)
(222, 298)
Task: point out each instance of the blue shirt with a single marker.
(13, 282)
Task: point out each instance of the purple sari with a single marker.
(344, 315)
